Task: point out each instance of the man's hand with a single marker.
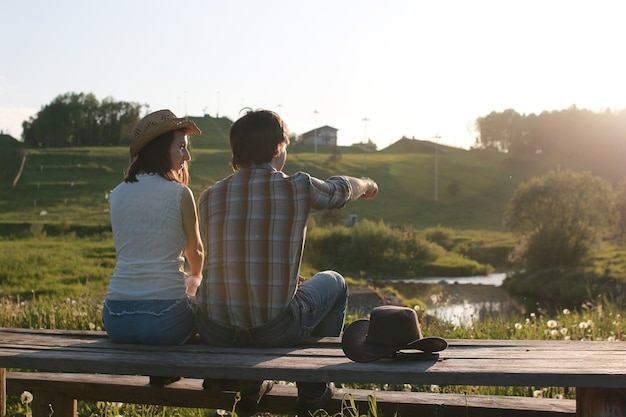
(372, 189)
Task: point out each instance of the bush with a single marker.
(375, 249)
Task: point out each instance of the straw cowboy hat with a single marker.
(389, 330)
(156, 124)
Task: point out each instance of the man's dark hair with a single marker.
(255, 137)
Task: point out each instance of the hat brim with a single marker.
(354, 345)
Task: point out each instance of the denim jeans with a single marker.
(149, 322)
(317, 309)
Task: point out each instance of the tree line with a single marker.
(566, 133)
(79, 119)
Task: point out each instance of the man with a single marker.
(253, 225)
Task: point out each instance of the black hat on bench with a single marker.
(389, 330)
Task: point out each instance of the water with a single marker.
(491, 279)
(463, 314)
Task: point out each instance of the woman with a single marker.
(155, 230)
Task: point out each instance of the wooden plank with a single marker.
(465, 362)
(600, 402)
(486, 369)
(281, 400)
(3, 392)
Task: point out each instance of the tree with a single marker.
(73, 119)
(620, 210)
(559, 218)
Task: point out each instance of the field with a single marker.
(56, 250)
(70, 186)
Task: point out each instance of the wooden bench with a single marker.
(75, 365)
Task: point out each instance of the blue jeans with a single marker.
(317, 309)
(149, 322)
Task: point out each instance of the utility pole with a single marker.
(315, 112)
(435, 138)
(365, 120)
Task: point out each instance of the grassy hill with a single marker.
(70, 186)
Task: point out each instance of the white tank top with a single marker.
(149, 240)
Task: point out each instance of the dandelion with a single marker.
(434, 388)
(558, 396)
(26, 397)
(583, 325)
(518, 326)
(533, 315)
(563, 331)
(221, 412)
(566, 312)
(611, 339)
(552, 324)
(538, 393)
(589, 323)
(554, 333)
(407, 388)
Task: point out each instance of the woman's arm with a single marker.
(194, 251)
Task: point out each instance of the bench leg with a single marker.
(46, 404)
(600, 402)
(3, 392)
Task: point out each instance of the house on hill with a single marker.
(369, 146)
(324, 135)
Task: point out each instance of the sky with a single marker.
(371, 69)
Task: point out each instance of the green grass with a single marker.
(60, 266)
(70, 185)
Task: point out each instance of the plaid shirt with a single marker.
(253, 225)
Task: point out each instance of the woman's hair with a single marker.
(154, 158)
(256, 137)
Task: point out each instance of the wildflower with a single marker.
(611, 339)
(558, 396)
(552, 324)
(567, 338)
(26, 397)
(566, 312)
(518, 326)
(92, 326)
(407, 388)
(434, 388)
(533, 315)
(583, 325)
(590, 323)
(564, 331)
(538, 393)
(220, 412)
(554, 333)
